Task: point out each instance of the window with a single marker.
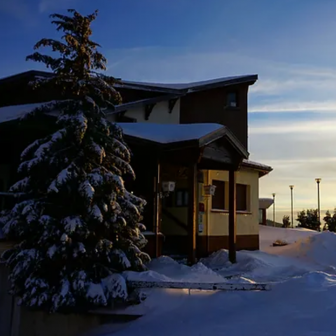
(241, 197)
(232, 99)
(218, 200)
(261, 216)
(182, 198)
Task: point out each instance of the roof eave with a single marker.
(237, 144)
(250, 80)
(262, 171)
(25, 74)
(142, 102)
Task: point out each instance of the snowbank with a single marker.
(300, 302)
(268, 235)
(307, 251)
(167, 269)
(319, 250)
(303, 306)
(254, 266)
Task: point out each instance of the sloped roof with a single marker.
(260, 167)
(27, 74)
(192, 134)
(169, 133)
(9, 113)
(146, 86)
(194, 86)
(265, 203)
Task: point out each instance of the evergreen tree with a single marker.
(330, 221)
(309, 219)
(285, 222)
(76, 225)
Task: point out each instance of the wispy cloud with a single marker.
(296, 106)
(292, 82)
(51, 5)
(299, 151)
(318, 127)
(19, 10)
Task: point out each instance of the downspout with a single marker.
(208, 215)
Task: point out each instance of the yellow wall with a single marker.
(159, 115)
(247, 222)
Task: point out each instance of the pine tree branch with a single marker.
(50, 62)
(56, 45)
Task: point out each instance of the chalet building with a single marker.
(188, 140)
(264, 204)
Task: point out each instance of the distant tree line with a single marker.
(309, 219)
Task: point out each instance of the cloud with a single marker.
(296, 106)
(317, 128)
(292, 82)
(51, 5)
(176, 64)
(298, 151)
(19, 10)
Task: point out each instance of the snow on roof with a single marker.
(9, 113)
(257, 165)
(190, 85)
(168, 133)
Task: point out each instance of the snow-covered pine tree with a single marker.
(77, 227)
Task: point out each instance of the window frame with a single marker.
(246, 199)
(185, 198)
(223, 208)
(232, 103)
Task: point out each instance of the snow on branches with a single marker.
(76, 225)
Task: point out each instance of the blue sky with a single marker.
(290, 44)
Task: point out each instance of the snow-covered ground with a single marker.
(301, 303)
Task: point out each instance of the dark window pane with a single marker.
(232, 99)
(218, 200)
(179, 198)
(186, 198)
(241, 197)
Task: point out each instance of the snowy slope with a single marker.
(269, 234)
(303, 295)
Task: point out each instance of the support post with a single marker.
(232, 216)
(192, 215)
(157, 200)
(292, 211)
(273, 209)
